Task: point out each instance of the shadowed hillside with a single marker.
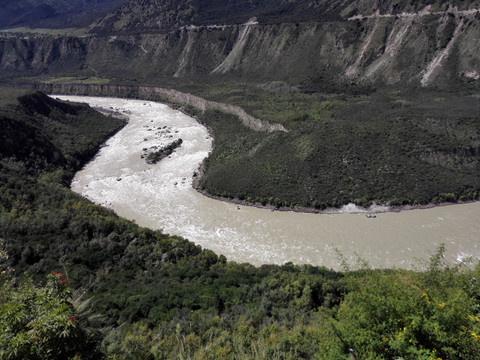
(53, 13)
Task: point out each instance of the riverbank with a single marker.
(351, 208)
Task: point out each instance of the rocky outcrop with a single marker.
(235, 55)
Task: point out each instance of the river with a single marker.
(161, 196)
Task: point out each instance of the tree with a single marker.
(41, 322)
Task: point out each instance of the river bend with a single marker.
(161, 196)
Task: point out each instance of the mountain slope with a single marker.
(53, 13)
(46, 134)
(161, 15)
(339, 47)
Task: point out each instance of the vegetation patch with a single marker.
(164, 152)
(77, 80)
(46, 31)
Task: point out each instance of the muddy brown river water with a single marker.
(161, 196)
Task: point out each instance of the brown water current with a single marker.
(161, 196)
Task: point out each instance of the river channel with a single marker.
(161, 196)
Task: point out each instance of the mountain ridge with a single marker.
(160, 15)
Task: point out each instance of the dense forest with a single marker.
(79, 282)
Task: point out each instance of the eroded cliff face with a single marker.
(425, 48)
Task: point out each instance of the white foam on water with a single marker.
(351, 209)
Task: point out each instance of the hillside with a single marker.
(160, 16)
(144, 294)
(53, 13)
(326, 48)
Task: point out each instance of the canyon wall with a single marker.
(426, 48)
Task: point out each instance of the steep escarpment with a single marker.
(423, 48)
